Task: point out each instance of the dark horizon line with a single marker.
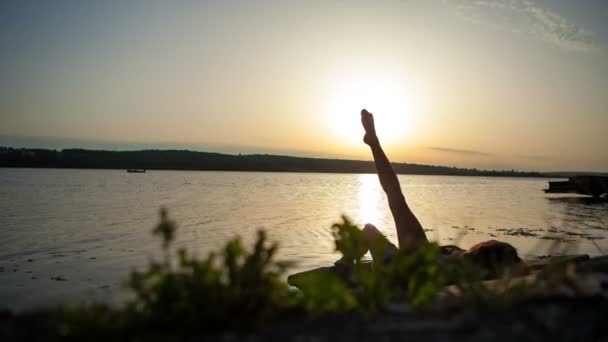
(547, 174)
(35, 142)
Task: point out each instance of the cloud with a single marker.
(460, 151)
(536, 157)
(527, 17)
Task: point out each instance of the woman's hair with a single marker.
(494, 257)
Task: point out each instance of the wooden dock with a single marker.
(596, 186)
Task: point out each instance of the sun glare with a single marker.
(369, 197)
(388, 99)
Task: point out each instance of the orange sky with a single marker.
(491, 84)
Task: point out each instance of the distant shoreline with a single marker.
(249, 171)
(184, 160)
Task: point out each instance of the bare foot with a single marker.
(367, 120)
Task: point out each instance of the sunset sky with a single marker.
(488, 84)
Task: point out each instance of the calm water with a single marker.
(90, 227)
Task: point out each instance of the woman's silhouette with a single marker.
(494, 256)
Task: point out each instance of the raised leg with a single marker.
(409, 231)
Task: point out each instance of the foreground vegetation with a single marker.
(240, 290)
(243, 291)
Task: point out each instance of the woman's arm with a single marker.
(409, 231)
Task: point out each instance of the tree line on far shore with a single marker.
(207, 161)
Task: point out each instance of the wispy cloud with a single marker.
(536, 157)
(527, 17)
(460, 151)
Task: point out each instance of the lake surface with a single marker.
(75, 234)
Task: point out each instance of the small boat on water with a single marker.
(596, 186)
(136, 170)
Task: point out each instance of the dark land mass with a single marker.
(206, 161)
(567, 174)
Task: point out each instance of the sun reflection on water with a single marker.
(369, 196)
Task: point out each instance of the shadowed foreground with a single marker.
(237, 293)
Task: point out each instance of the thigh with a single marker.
(379, 246)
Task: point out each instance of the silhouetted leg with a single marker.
(379, 246)
(376, 243)
(409, 231)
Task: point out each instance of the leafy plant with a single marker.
(414, 278)
(325, 292)
(240, 289)
(233, 289)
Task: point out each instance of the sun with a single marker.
(387, 98)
